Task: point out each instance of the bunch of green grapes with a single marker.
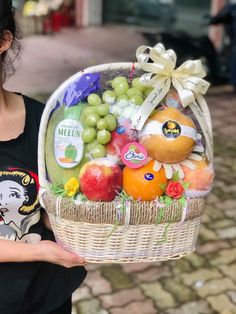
(122, 90)
(124, 97)
(98, 124)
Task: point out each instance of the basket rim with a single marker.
(135, 212)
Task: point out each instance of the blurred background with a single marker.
(63, 37)
(178, 24)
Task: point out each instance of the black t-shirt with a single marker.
(35, 287)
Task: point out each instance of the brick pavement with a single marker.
(203, 282)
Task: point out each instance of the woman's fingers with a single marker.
(53, 253)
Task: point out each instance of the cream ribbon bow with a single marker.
(186, 79)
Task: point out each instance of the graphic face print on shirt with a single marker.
(19, 205)
(12, 197)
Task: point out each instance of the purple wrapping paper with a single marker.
(79, 90)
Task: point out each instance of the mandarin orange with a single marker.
(144, 183)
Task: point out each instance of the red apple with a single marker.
(118, 141)
(119, 138)
(100, 179)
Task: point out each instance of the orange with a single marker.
(144, 183)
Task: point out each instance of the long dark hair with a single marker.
(7, 22)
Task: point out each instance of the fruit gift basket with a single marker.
(126, 159)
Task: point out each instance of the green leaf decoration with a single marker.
(164, 235)
(163, 186)
(114, 228)
(161, 215)
(57, 189)
(182, 201)
(122, 197)
(168, 200)
(175, 176)
(162, 200)
(80, 197)
(186, 185)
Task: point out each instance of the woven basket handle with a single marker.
(205, 113)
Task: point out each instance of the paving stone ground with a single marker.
(203, 282)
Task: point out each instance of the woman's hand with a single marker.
(56, 254)
(43, 251)
(51, 252)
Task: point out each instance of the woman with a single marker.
(37, 276)
(227, 17)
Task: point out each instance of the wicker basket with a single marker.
(89, 229)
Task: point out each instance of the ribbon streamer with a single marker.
(185, 210)
(187, 79)
(123, 210)
(127, 214)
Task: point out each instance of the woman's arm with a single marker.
(223, 17)
(45, 251)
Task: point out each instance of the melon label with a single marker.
(68, 144)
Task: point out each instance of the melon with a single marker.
(169, 136)
(56, 173)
